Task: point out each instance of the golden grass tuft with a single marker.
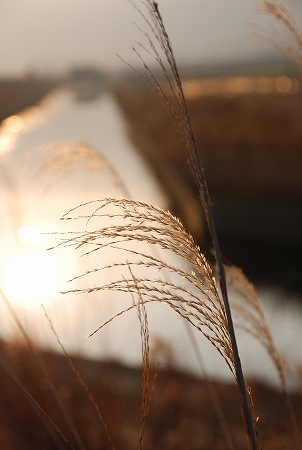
(192, 294)
(289, 39)
(193, 289)
(62, 158)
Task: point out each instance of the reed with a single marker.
(285, 35)
(199, 296)
(212, 317)
(192, 288)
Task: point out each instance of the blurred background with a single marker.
(66, 99)
(51, 37)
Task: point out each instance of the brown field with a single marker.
(263, 168)
(250, 145)
(17, 95)
(181, 414)
(251, 149)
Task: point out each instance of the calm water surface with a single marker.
(32, 203)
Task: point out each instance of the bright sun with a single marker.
(33, 276)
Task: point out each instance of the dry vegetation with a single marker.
(243, 151)
(181, 411)
(16, 95)
(250, 146)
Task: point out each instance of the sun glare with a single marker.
(29, 235)
(31, 278)
(33, 275)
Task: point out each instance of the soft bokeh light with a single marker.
(32, 278)
(51, 36)
(13, 126)
(30, 275)
(29, 235)
(232, 86)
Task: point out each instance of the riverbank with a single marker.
(251, 153)
(250, 146)
(181, 413)
(18, 94)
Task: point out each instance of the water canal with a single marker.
(32, 204)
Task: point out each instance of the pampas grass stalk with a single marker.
(61, 440)
(196, 296)
(144, 329)
(289, 40)
(249, 316)
(41, 364)
(218, 321)
(181, 114)
(193, 295)
(64, 157)
(81, 381)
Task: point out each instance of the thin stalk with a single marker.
(43, 368)
(41, 410)
(80, 379)
(210, 387)
(182, 116)
(205, 198)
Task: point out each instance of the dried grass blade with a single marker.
(44, 370)
(41, 410)
(80, 379)
(158, 29)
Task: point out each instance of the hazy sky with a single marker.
(56, 34)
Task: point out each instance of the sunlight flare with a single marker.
(32, 278)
